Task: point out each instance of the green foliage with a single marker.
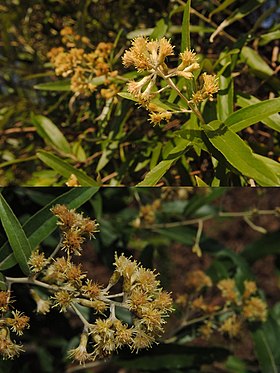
(108, 138)
(16, 235)
(163, 239)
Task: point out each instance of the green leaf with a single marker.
(274, 166)
(221, 7)
(259, 67)
(127, 95)
(155, 155)
(167, 362)
(242, 269)
(183, 234)
(79, 151)
(60, 85)
(225, 93)
(200, 182)
(159, 30)
(252, 114)
(266, 341)
(239, 154)
(186, 38)
(270, 36)
(3, 285)
(43, 223)
(50, 133)
(239, 13)
(273, 121)
(16, 235)
(267, 245)
(160, 169)
(65, 169)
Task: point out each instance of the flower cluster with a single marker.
(147, 213)
(150, 57)
(66, 286)
(226, 312)
(10, 321)
(74, 227)
(83, 67)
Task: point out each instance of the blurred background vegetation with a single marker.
(159, 228)
(113, 142)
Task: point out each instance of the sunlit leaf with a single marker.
(16, 235)
(65, 169)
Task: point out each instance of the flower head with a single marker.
(4, 300)
(250, 288)
(228, 289)
(37, 261)
(18, 322)
(80, 353)
(147, 55)
(255, 309)
(231, 326)
(197, 280)
(8, 348)
(189, 61)
(43, 305)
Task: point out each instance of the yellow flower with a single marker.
(8, 349)
(125, 266)
(197, 280)
(141, 340)
(147, 55)
(91, 289)
(152, 319)
(206, 329)
(4, 300)
(137, 300)
(123, 334)
(250, 288)
(163, 302)
(199, 304)
(103, 335)
(228, 289)
(157, 118)
(74, 275)
(80, 353)
(18, 322)
(255, 309)
(43, 305)
(231, 326)
(72, 242)
(146, 280)
(37, 261)
(189, 61)
(62, 299)
(210, 86)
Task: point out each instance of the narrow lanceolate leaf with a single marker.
(3, 285)
(65, 169)
(239, 13)
(160, 169)
(239, 154)
(159, 30)
(186, 34)
(200, 182)
(259, 67)
(43, 223)
(60, 85)
(273, 121)
(16, 236)
(225, 94)
(50, 133)
(266, 341)
(252, 114)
